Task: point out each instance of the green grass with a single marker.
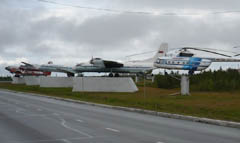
(223, 105)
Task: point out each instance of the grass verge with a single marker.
(214, 105)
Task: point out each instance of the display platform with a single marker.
(104, 84)
(18, 80)
(32, 80)
(56, 82)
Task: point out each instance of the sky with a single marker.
(37, 32)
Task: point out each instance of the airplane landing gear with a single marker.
(110, 75)
(70, 74)
(114, 75)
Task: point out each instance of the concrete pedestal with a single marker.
(103, 84)
(185, 85)
(18, 80)
(32, 80)
(56, 82)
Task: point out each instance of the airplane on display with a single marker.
(48, 68)
(183, 59)
(17, 71)
(114, 68)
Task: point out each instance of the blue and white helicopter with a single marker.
(183, 59)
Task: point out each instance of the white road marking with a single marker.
(63, 123)
(80, 121)
(160, 142)
(113, 130)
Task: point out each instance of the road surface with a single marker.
(32, 119)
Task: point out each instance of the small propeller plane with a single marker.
(186, 60)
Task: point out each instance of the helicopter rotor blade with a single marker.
(205, 50)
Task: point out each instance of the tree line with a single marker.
(220, 80)
(5, 78)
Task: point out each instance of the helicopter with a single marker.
(184, 59)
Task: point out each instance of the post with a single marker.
(136, 78)
(144, 88)
(185, 85)
(153, 78)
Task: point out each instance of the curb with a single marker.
(142, 111)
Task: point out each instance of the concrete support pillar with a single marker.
(136, 79)
(153, 78)
(185, 85)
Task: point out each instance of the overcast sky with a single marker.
(38, 32)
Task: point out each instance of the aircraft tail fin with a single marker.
(162, 51)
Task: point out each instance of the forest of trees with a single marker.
(206, 81)
(4, 78)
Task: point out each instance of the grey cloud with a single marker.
(110, 35)
(179, 4)
(107, 30)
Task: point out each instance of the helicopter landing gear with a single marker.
(191, 72)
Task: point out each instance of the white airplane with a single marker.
(114, 67)
(186, 60)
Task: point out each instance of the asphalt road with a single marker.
(32, 119)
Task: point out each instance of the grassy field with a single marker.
(223, 105)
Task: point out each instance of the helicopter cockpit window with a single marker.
(158, 61)
(185, 54)
(161, 61)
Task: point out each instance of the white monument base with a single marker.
(56, 82)
(32, 80)
(18, 80)
(185, 85)
(104, 84)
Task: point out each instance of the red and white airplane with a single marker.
(20, 71)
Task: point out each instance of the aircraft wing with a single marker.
(105, 63)
(66, 70)
(112, 64)
(27, 64)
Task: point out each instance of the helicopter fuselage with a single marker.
(182, 63)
